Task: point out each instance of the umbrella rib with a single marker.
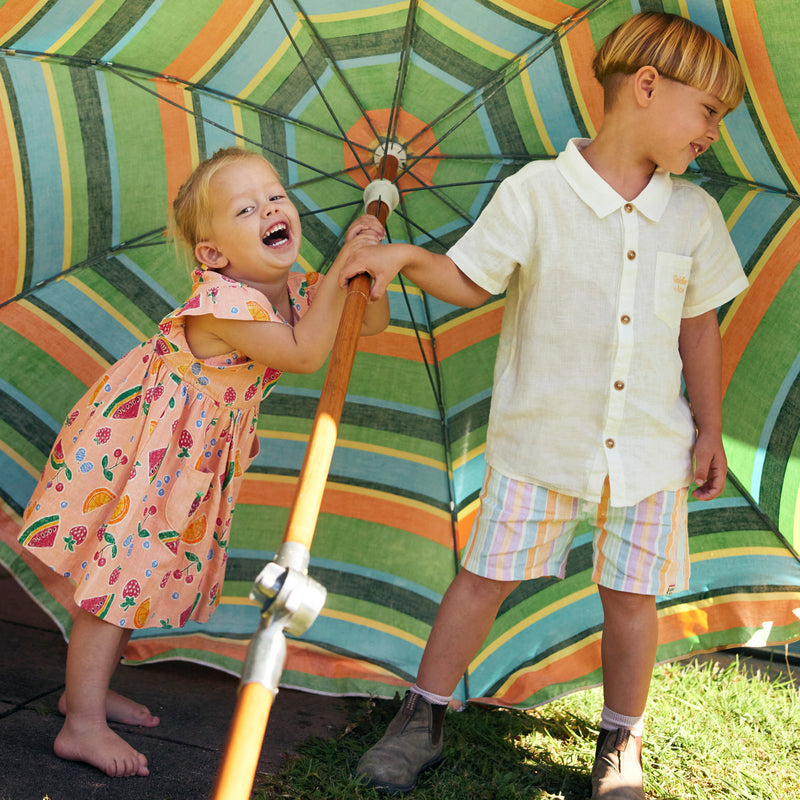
(335, 68)
(120, 71)
(735, 180)
(139, 241)
(490, 88)
(762, 514)
(402, 70)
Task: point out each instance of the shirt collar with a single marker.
(599, 196)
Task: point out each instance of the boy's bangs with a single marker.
(714, 70)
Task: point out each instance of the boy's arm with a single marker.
(434, 273)
(700, 347)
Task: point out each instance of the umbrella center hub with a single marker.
(390, 148)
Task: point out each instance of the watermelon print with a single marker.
(126, 405)
(42, 533)
(167, 432)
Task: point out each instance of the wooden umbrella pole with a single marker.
(314, 472)
(291, 594)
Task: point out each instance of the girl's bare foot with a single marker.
(98, 745)
(121, 709)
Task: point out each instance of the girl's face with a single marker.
(255, 228)
(685, 124)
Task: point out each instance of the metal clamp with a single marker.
(290, 601)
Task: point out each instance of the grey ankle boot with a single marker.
(411, 744)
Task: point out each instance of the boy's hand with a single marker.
(381, 263)
(710, 467)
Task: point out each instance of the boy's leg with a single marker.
(628, 649)
(85, 736)
(463, 622)
(413, 740)
(628, 652)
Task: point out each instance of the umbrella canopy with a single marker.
(104, 110)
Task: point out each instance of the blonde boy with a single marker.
(612, 272)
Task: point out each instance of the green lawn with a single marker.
(711, 732)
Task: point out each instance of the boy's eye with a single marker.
(245, 210)
(276, 197)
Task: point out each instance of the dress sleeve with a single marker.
(215, 294)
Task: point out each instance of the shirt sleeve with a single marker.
(500, 240)
(717, 275)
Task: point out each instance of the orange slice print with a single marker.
(97, 498)
(121, 509)
(195, 532)
(142, 613)
(257, 311)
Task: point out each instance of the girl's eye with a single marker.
(245, 210)
(275, 197)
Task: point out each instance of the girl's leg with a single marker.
(465, 616)
(119, 708)
(85, 736)
(628, 649)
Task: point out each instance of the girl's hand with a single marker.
(367, 226)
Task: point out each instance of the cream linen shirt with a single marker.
(587, 381)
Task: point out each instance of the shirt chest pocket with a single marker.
(672, 280)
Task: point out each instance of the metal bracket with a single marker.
(290, 601)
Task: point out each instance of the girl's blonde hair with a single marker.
(190, 222)
(678, 48)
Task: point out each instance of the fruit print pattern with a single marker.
(135, 503)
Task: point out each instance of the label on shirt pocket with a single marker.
(672, 280)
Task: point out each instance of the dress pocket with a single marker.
(672, 279)
(185, 495)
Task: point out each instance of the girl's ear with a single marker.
(206, 253)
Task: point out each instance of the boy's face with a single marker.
(255, 228)
(685, 123)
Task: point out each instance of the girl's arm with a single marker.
(700, 347)
(302, 348)
(435, 274)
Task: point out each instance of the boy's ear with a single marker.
(206, 253)
(645, 81)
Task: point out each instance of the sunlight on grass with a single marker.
(711, 732)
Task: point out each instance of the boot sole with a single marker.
(393, 788)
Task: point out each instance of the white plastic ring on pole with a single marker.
(383, 191)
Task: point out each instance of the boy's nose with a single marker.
(713, 131)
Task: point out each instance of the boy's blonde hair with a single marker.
(678, 48)
(191, 211)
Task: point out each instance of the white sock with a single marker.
(433, 699)
(610, 720)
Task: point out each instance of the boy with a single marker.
(613, 272)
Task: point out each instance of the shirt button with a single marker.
(628, 208)
(609, 443)
(631, 255)
(625, 319)
(619, 385)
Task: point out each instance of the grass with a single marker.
(712, 732)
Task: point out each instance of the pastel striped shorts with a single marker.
(523, 531)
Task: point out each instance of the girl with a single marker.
(135, 503)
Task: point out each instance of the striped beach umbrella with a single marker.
(104, 110)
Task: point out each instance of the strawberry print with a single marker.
(129, 594)
(230, 395)
(185, 441)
